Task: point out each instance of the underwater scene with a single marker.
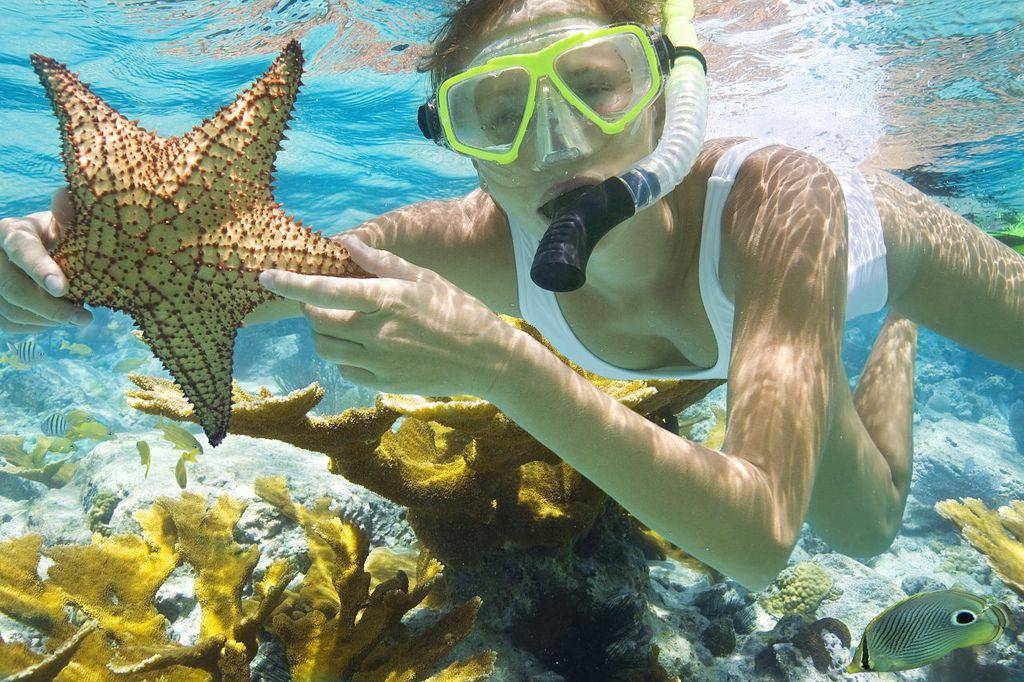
(191, 488)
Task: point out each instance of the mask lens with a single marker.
(610, 74)
(488, 109)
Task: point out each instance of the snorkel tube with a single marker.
(584, 216)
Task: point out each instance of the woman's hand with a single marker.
(31, 283)
(407, 331)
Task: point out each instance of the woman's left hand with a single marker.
(407, 331)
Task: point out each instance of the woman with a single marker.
(658, 301)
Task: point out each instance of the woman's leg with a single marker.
(884, 398)
(949, 275)
(864, 474)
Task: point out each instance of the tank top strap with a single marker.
(719, 308)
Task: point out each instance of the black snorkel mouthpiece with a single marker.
(580, 218)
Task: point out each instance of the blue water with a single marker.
(932, 89)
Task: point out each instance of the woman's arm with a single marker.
(460, 239)
(739, 510)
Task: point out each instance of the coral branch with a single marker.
(333, 628)
(999, 535)
(47, 669)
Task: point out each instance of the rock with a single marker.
(920, 583)
(17, 488)
(865, 593)
(1015, 422)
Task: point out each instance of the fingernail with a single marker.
(267, 280)
(81, 318)
(52, 284)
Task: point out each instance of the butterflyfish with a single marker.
(925, 627)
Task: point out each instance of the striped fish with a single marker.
(24, 353)
(925, 627)
(56, 425)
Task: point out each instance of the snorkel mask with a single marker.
(605, 76)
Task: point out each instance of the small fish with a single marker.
(179, 437)
(130, 364)
(56, 425)
(180, 474)
(77, 416)
(925, 627)
(91, 429)
(145, 457)
(58, 444)
(22, 354)
(75, 348)
(716, 434)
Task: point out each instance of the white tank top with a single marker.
(867, 285)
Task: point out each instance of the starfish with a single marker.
(175, 231)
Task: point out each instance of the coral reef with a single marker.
(175, 231)
(489, 502)
(471, 478)
(33, 466)
(799, 590)
(95, 607)
(334, 627)
(101, 509)
(998, 534)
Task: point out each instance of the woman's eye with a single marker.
(501, 120)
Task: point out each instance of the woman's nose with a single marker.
(559, 130)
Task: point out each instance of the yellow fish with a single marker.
(179, 437)
(925, 627)
(716, 434)
(55, 444)
(76, 416)
(179, 469)
(75, 348)
(89, 428)
(145, 456)
(130, 364)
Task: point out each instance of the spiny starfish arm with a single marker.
(102, 150)
(292, 246)
(196, 350)
(238, 144)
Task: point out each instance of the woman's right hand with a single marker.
(31, 283)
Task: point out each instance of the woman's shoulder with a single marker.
(777, 193)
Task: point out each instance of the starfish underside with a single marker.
(175, 231)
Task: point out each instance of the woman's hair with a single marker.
(467, 17)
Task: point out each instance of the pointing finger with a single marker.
(341, 293)
(380, 263)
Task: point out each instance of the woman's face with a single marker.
(569, 152)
